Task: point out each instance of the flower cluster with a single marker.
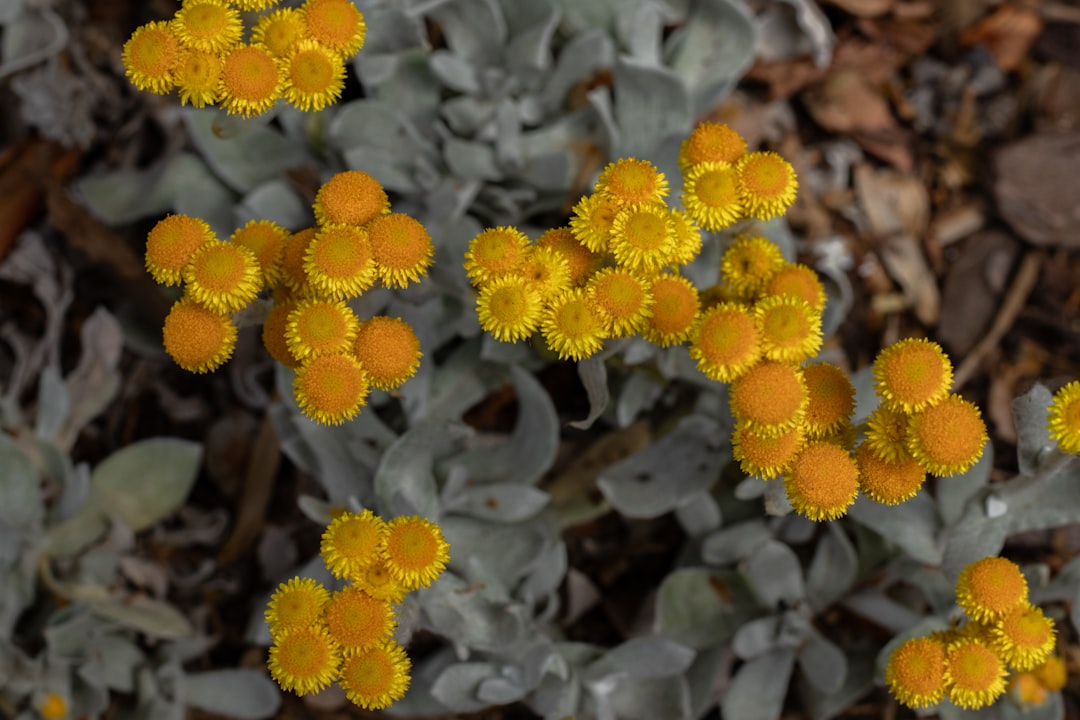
(297, 54)
(310, 274)
(348, 635)
(1064, 418)
(969, 664)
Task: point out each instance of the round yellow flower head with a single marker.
(274, 330)
(254, 5)
(198, 77)
(886, 434)
(725, 342)
(947, 438)
(546, 270)
(331, 389)
(350, 543)
(642, 238)
(52, 707)
(1052, 673)
(150, 56)
(845, 434)
(749, 263)
(320, 327)
(711, 195)
(1026, 689)
(377, 677)
(764, 456)
(976, 675)
(350, 198)
(797, 280)
(279, 31)
(885, 481)
(340, 261)
(388, 349)
(687, 237)
(630, 181)
(509, 308)
(223, 276)
(571, 327)
(592, 220)
(250, 80)
(196, 338)
(494, 253)
(1063, 421)
(674, 311)
(916, 672)
(292, 259)
(911, 374)
(378, 582)
(789, 329)
(770, 397)
(304, 660)
(822, 482)
(987, 589)
(581, 261)
(266, 240)
(337, 24)
(300, 602)
(402, 249)
(1023, 637)
(358, 620)
(622, 299)
(313, 76)
(711, 142)
(208, 25)
(766, 183)
(414, 550)
(170, 245)
(831, 398)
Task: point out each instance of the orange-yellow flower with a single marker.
(749, 263)
(52, 706)
(571, 326)
(789, 329)
(198, 77)
(337, 24)
(150, 56)
(831, 398)
(377, 677)
(989, 588)
(170, 245)
(711, 195)
(340, 261)
(886, 434)
(331, 389)
(250, 80)
(725, 342)
(293, 273)
(948, 437)
(223, 276)
(1026, 689)
(401, 247)
(278, 31)
(976, 675)
(546, 270)
(623, 300)
(196, 338)
(274, 331)
(351, 197)
(822, 482)
(642, 238)
(208, 25)
(580, 260)
(358, 620)
(300, 602)
(916, 672)
(674, 310)
(414, 550)
(304, 660)
(592, 220)
(885, 481)
(1063, 420)
(799, 281)
(630, 181)
(911, 374)
(767, 184)
(266, 240)
(1023, 637)
(711, 142)
(1052, 673)
(765, 456)
(388, 349)
(350, 543)
(509, 308)
(495, 252)
(320, 327)
(770, 397)
(377, 581)
(313, 76)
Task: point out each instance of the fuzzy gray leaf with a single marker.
(593, 374)
(474, 29)
(953, 493)
(822, 663)
(699, 514)
(832, 571)
(1033, 441)
(735, 543)
(757, 691)
(913, 525)
(456, 687)
(276, 201)
(498, 502)
(146, 481)
(774, 573)
(641, 657)
(255, 154)
(405, 478)
(699, 608)
(650, 104)
(152, 617)
(21, 507)
(712, 50)
(239, 693)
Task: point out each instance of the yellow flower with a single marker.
(414, 550)
(313, 76)
(1052, 673)
(337, 24)
(292, 259)
(358, 620)
(340, 261)
(885, 481)
(789, 329)
(582, 261)
(494, 253)
(592, 219)
(300, 602)
(916, 672)
(320, 327)
(975, 674)
(948, 437)
(250, 80)
(274, 331)
(266, 240)
(208, 25)
(150, 56)
(766, 183)
(377, 581)
(52, 707)
(1023, 637)
(687, 236)
(350, 198)
(711, 142)
(711, 195)
(911, 374)
(989, 588)
(571, 327)
(799, 281)
(278, 31)
(1063, 421)
(304, 660)
(254, 5)
(630, 181)
(509, 308)
(770, 397)
(749, 263)
(763, 456)
(831, 398)
(331, 389)
(223, 276)
(197, 339)
(886, 434)
(1026, 689)
(724, 341)
(822, 482)
(350, 543)
(546, 270)
(198, 77)
(642, 238)
(376, 678)
(388, 349)
(674, 311)
(622, 299)
(402, 249)
(170, 245)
